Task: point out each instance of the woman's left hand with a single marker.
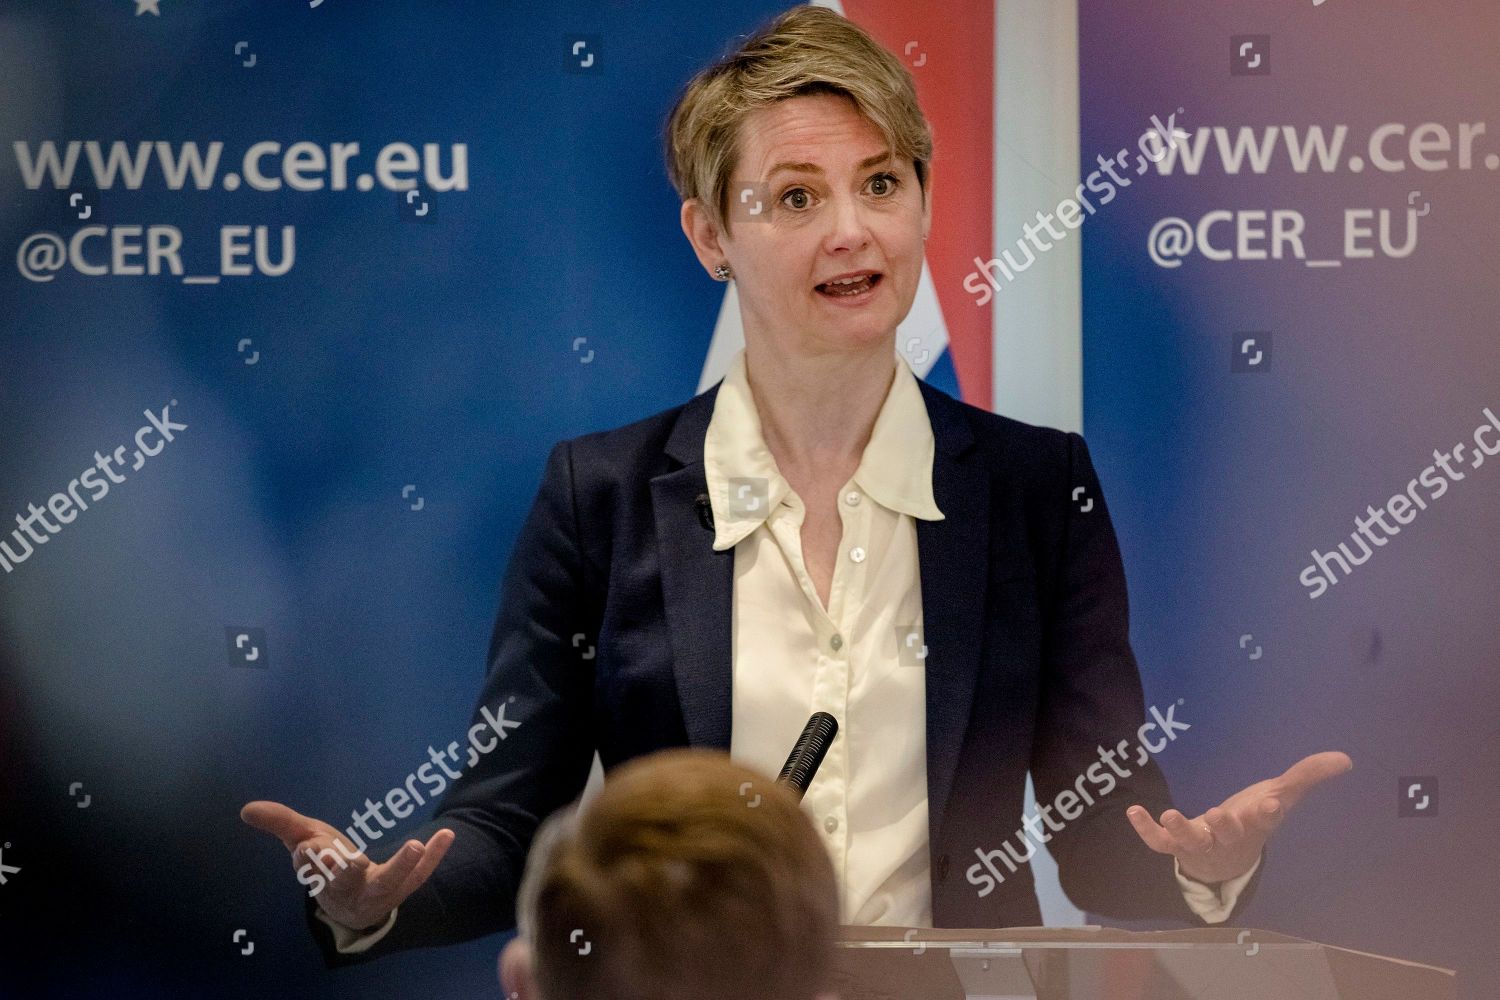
(1225, 842)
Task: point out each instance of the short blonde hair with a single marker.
(806, 50)
(687, 877)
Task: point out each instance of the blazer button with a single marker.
(942, 871)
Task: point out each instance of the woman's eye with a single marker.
(798, 192)
(891, 180)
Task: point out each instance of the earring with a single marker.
(721, 271)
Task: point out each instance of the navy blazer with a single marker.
(613, 634)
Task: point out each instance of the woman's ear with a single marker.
(514, 967)
(702, 234)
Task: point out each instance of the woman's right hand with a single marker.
(362, 894)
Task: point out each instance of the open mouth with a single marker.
(850, 288)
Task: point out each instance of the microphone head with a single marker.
(802, 764)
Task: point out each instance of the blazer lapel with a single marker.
(697, 583)
(953, 559)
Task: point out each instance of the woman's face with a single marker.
(844, 206)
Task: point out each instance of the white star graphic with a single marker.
(141, 6)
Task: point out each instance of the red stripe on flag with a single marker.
(955, 45)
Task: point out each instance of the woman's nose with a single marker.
(850, 229)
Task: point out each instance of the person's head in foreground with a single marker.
(814, 91)
(687, 877)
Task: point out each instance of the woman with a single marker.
(821, 531)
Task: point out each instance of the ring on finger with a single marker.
(1212, 842)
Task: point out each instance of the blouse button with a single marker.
(831, 824)
(852, 498)
(857, 554)
(837, 642)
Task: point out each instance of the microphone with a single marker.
(809, 752)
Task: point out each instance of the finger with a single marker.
(1194, 836)
(1266, 817)
(286, 824)
(1228, 830)
(433, 851)
(1310, 771)
(341, 849)
(1156, 838)
(386, 879)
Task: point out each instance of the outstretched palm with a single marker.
(1225, 841)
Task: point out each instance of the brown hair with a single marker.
(807, 50)
(688, 877)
